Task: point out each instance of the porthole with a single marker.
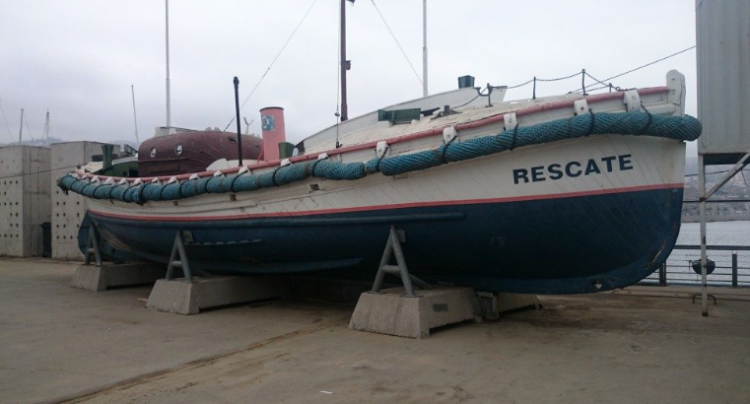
(153, 152)
(178, 149)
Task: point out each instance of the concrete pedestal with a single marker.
(492, 305)
(182, 297)
(100, 278)
(390, 312)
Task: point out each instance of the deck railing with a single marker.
(732, 267)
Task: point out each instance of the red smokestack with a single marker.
(274, 131)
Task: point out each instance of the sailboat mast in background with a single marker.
(169, 107)
(20, 130)
(425, 92)
(135, 117)
(345, 64)
(45, 133)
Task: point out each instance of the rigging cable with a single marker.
(273, 61)
(546, 80)
(604, 83)
(397, 43)
(6, 121)
(637, 68)
(26, 121)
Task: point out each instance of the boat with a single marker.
(175, 151)
(567, 194)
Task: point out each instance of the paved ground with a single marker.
(58, 343)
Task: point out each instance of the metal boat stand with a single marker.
(100, 276)
(92, 247)
(393, 247)
(195, 294)
(178, 251)
(708, 296)
(394, 312)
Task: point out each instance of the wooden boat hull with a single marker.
(566, 226)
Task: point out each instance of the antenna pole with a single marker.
(169, 106)
(345, 64)
(135, 118)
(20, 130)
(239, 124)
(424, 48)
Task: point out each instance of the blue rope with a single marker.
(684, 128)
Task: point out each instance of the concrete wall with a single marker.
(68, 210)
(24, 199)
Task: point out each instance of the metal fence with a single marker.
(732, 267)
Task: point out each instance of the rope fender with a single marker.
(683, 128)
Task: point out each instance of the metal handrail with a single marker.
(728, 273)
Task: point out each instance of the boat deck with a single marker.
(58, 344)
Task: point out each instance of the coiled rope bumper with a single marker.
(685, 128)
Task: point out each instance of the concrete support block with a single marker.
(182, 297)
(491, 305)
(390, 312)
(101, 278)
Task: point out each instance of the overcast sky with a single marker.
(79, 58)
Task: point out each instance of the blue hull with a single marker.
(578, 244)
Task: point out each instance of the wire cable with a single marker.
(397, 43)
(6, 121)
(273, 61)
(637, 68)
(545, 80)
(26, 121)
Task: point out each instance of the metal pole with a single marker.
(135, 118)
(425, 92)
(183, 258)
(239, 125)
(702, 206)
(344, 63)
(169, 106)
(405, 279)
(663, 274)
(45, 133)
(20, 130)
(734, 269)
(384, 260)
(583, 81)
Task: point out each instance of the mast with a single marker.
(135, 118)
(20, 130)
(169, 107)
(345, 64)
(424, 48)
(45, 133)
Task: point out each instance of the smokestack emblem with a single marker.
(268, 122)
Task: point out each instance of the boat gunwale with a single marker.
(521, 198)
(492, 119)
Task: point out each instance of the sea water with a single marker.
(717, 233)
